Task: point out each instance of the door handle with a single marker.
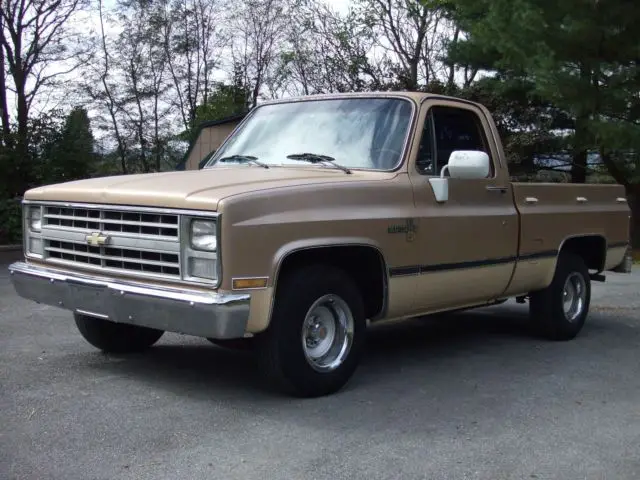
(581, 199)
(496, 188)
(531, 200)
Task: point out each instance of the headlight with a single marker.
(200, 250)
(35, 219)
(203, 235)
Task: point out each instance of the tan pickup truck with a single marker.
(316, 217)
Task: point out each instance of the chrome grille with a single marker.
(113, 221)
(115, 258)
(143, 243)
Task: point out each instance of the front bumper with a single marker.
(192, 312)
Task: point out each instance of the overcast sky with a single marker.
(339, 4)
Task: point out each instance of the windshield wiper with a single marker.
(243, 159)
(315, 158)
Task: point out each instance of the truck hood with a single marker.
(198, 189)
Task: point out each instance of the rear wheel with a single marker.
(114, 337)
(316, 336)
(560, 310)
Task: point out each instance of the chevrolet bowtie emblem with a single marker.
(96, 239)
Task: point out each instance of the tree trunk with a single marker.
(580, 152)
(22, 147)
(4, 114)
(579, 167)
(582, 135)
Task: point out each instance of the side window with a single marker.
(448, 129)
(426, 160)
(457, 129)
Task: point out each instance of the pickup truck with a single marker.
(316, 218)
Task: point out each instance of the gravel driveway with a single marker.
(470, 396)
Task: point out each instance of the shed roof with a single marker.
(202, 126)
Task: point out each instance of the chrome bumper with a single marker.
(192, 312)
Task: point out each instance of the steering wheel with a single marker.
(380, 150)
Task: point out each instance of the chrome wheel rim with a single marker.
(327, 333)
(574, 296)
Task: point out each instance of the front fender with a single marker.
(311, 243)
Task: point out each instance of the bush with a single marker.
(10, 221)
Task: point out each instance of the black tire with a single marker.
(280, 348)
(241, 344)
(546, 306)
(111, 337)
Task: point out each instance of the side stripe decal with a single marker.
(407, 270)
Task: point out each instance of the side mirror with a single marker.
(464, 164)
(468, 164)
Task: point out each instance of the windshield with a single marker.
(366, 133)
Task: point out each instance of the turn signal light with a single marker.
(242, 283)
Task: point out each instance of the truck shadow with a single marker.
(467, 327)
(195, 369)
(203, 370)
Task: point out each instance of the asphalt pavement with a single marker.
(469, 396)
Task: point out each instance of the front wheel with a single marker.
(316, 336)
(111, 337)
(560, 310)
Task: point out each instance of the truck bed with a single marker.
(552, 214)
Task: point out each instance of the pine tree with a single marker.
(583, 56)
(73, 156)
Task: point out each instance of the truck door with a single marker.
(468, 244)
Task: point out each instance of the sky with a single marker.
(341, 5)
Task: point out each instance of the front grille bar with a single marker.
(113, 222)
(115, 258)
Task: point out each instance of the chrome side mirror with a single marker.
(464, 164)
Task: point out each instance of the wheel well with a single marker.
(365, 265)
(591, 248)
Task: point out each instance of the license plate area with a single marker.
(89, 300)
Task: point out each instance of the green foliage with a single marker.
(581, 57)
(223, 101)
(23, 171)
(66, 148)
(526, 122)
(76, 147)
(10, 221)
(60, 148)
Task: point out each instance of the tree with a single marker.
(325, 51)
(103, 92)
(130, 85)
(142, 61)
(582, 56)
(72, 156)
(526, 122)
(414, 35)
(34, 37)
(258, 31)
(192, 37)
(225, 100)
